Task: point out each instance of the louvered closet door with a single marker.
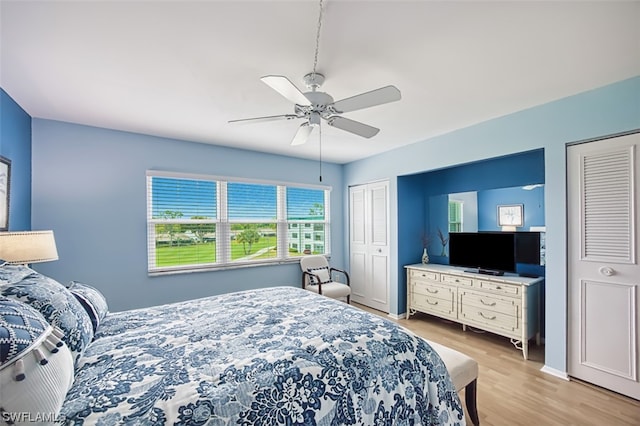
(604, 276)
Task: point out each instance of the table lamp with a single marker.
(27, 247)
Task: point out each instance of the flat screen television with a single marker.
(528, 247)
(485, 252)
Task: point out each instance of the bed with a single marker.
(278, 355)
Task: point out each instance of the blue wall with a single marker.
(604, 111)
(89, 187)
(421, 193)
(532, 201)
(15, 144)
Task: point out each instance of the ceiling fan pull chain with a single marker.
(320, 148)
(315, 58)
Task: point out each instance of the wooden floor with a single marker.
(512, 391)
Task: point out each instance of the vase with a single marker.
(425, 256)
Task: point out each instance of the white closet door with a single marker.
(603, 271)
(369, 244)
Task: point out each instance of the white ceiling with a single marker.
(182, 69)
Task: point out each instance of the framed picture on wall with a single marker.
(511, 215)
(5, 180)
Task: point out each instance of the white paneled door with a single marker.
(603, 271)
(369, 244)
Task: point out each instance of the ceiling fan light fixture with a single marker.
(314, 119)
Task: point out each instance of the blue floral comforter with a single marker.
(273, 356)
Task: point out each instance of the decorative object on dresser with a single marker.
(506, 305)
(28, 247)
(425, 256)
(426, 240)
(443, 240)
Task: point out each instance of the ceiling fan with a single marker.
(314, 106)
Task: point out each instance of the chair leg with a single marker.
(470, 400)
(348, 303)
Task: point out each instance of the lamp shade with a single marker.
(28, 247)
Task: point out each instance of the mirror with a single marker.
(478, 211)
(463, 212)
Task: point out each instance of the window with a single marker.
(202, 222)
(455, 216)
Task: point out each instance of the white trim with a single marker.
(557, 373)
(397, 316)
(223, 223)
(200, 176)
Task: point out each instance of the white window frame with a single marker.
(223, 224)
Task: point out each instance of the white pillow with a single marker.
(322, 273)
(36, 367)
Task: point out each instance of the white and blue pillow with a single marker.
(36, 367)
(20, 327)
(56, 303)
(91, 300)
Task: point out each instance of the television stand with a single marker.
(506, 305)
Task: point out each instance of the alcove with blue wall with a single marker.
(497, 181)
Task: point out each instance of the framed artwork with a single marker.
(511, 215)
(5, 180)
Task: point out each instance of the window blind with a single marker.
(212, 222)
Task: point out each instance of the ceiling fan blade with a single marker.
(352, 126)
(302, 134)
(286, 88)
(266, 118)
(368, 99)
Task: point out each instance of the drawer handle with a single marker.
(498, 287)
(432, 291)
(488, 304)
(486, 317)
(457, 280)
(432, 303)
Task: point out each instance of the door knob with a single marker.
(606, 271)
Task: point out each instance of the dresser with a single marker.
(508, 305)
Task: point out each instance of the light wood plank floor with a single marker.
(512, 391)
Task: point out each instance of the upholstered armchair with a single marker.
(319, 277)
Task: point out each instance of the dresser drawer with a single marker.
(500, 288)
(433, 289)
(490, 320)
(454, 279)
(435, 305)
(425, 275)
(489, 302)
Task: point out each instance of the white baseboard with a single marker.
(554, 372)
(397, 316)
